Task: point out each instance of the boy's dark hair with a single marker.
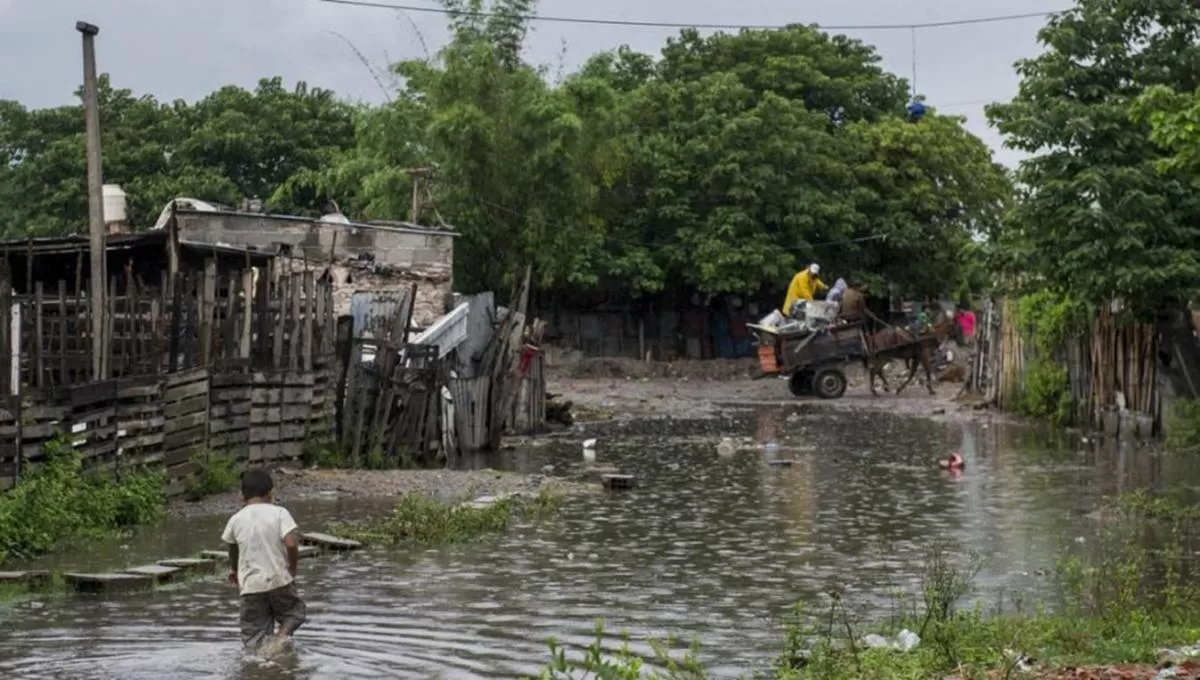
(256, 483)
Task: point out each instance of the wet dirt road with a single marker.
(709, 546)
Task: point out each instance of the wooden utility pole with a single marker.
(418, 176)
(95, 179)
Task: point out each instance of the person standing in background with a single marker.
(965, 318)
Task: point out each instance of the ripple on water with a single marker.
(712, 548)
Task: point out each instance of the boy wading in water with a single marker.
(264, 549)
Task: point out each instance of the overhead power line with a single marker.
(714, 26)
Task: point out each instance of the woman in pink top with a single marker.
(965, 319)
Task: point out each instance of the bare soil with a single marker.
(449, 485)
(601, 389)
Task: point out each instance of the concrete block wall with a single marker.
(395, 247)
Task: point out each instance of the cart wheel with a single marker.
(830, 383)
(801, 383)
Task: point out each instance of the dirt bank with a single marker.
(292, 485)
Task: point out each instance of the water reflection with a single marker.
(715, 548)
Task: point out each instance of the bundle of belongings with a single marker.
(807, 316)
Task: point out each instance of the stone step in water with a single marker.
(29, 579)
(108, 582)
(158, 572)
(191, 565)
(328, 542)
(222, 557)
(618, 482)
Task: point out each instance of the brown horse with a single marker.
(912, 348)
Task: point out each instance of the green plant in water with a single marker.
(1183, 426)
(424, 520)
(60, 500)
(215, 473)
(622, 664)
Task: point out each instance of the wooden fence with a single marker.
(1111, 370)
(247, 364)
(232, 365)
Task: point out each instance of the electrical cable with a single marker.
(704, 26)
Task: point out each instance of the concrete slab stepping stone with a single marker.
(617, 482)
(158, 572)
(108, 582)
(191, 565)
(215, 555)
(328, 542)
(32, 579)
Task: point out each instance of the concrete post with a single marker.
(95, 179)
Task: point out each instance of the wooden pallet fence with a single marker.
(93, 420)
(140, 419)
(185, 433)
(229, 414)
(529, 408)
(280, 413)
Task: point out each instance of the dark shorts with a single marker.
(262, 612)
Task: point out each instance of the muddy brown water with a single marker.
(708, 547)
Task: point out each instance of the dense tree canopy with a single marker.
(231, 145)
(724, 165)
(1100, 214)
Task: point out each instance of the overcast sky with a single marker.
(187, 48)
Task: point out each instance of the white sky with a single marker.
(187, 48)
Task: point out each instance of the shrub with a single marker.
(1047, 392)
(60, 500)
(215, 474)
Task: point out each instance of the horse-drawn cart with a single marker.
(812, 361)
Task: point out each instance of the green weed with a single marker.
(215, 473)
(59, 501)
(423, 520)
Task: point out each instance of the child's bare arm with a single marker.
(233, 563)
(292, 542)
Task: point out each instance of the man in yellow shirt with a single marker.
(804, 286)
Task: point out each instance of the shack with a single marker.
(361, 258)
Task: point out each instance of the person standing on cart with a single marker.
(804, 286)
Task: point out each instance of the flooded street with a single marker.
(710, 547)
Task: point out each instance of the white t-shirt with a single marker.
(258, 530)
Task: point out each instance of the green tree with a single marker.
(1096, 218)
(231, 145)
(1174, 118)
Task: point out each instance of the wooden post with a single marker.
(281, 322)
(109, 314)
(247, 313)
(208, 295)
(176, 323)
(6, 335)
(39, 345)
(294, 334)
(306, 336)
(230, 340)
(63, 332)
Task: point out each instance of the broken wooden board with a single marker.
(191, 565)
(108, 582)
(158, 572)
(328, 542)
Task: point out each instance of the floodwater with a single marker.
(709, 547)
